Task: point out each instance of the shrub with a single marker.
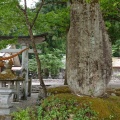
(63, 109)
(24, 114)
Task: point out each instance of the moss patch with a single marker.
(106, 107)
(9, 75)
(58, 90)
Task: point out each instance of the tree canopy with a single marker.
(54, 19)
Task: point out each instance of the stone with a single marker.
(6, 111)
(113, 94)
(5, 104)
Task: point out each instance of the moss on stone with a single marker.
(9, 75)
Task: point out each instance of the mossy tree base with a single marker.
(106, 107)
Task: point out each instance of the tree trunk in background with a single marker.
(89, 61)
(65, 81)
(43, 91)
(30, 24)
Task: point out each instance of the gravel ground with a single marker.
(31, 101)
(22, 104)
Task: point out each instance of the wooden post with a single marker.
(17, 93)
(0, 84)
(25, 71)
(29, 87)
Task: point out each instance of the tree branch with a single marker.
(33, 22)
(20, 8)
(54, 3)
(25, 13)
(25, 5)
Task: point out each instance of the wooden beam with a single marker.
(26, 39)
(16, 50)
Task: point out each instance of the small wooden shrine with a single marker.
(9, 84)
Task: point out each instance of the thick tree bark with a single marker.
(89, 61)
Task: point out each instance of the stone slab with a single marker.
(6, 111)
(6, 91)
(5, 101)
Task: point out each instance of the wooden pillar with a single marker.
(17, 93)
(25, 71)
(29, 87)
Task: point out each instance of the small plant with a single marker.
(24, 114)
(86, 113)
(111, 117)
(56, 109)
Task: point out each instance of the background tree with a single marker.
(54, 21)
(89, 61)
(111, 14)
(26, 22)
(22, 21)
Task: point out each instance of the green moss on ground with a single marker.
(106, 107)
(57, 90)
(63, 105)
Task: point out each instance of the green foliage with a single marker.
(116, 49)
(86, 113)
(111, 14)
(88, 1)
(53, 20)
(21, 115)
(49, 62)
(32, 65)
(109, 108)
(71, 107)
(4, 43)
(110, 7)
(64, 109)
(11, 20)
(24, 114)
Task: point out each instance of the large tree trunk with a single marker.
(89, 61)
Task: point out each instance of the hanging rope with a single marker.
(12, 56)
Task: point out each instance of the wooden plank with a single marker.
(25, 40)
(16, 50)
